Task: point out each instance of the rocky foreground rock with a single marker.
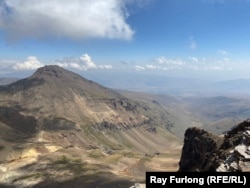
(204, 151)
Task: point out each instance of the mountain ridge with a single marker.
(58, 118)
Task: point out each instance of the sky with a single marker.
(208, 39)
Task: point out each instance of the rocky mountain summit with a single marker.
(203, 151)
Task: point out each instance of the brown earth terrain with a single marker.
(59, 129)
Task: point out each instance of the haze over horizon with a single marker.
(204, 39)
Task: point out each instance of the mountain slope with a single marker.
(6, 81)
(73, 125)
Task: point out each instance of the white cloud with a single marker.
(190, 63)
(139, 68)
(105, 66)
(223, 52)
(152, 66)
(30, 64)
(87, 61)
(162, 63)
(214, 67)
(208, 64)
(82, 63)
(170, 62)
(161, 60)
(75, 19)
(192, 43)
(193, 59)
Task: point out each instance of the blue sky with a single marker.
(191, 38)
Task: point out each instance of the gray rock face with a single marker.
(203, 151)
(239, 158)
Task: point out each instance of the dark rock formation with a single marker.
(198, 148)
(203, 151)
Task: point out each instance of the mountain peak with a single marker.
(53, 79)
(57, 74)
(50, 70)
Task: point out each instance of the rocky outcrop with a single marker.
(203, 151)
(237, 142)
(198, 149)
